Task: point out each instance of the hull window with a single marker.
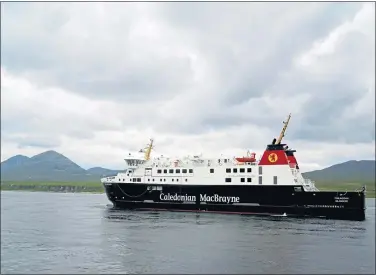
(242, 180)
(260, 170)
(228, 170)
(275, 179)
(211, 170)
(260, 180)
(249, 179)
(228, 180)
(190, 170)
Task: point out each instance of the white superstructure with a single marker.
(277, 166)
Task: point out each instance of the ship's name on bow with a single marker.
(341, 199)
(203, 198)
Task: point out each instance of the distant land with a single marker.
(51, 166)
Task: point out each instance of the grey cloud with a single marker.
(51, 127)
(331, 96)
(147, 82)
(249, 48)
(265, 49)
(32, 140)
(103, 73)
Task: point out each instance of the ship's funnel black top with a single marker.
(273, 147)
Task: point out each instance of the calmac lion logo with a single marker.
(272, 157)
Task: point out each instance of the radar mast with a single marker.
(283, 130)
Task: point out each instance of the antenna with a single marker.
(283, 130)
(148, 149)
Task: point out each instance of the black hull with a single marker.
(242, 199)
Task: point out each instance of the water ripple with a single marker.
(81, 233)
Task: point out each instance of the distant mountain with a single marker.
(13, 162)
(48, 166)
(350, 171)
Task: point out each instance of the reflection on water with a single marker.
(75, 233)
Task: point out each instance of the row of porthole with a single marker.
(165, 180)
(139, 180)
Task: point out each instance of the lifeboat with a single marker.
(251, 157)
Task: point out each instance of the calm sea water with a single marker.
(78, 233)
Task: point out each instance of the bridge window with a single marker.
(235, 170)
(227, 179)
(241, 170)
(159, 171)
(165, 171)
(249, 170)
(190, 170)
(228, 170)
(184, 171)
(171, 171)
(212, 170)
(177, 171)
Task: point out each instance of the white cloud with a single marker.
(95, 80)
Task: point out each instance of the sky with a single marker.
(94, 81)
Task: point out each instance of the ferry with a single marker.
(271, 185)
